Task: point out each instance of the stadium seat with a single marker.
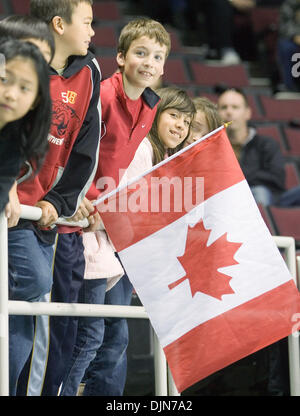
(105, 36)
(175, 72)
(291, 175)
(264, 19)
(175, 41)
(265, 216)
(273, 132)
(20, 6)
(108, 65)
(293, 141)
(280, 110)
(287, 221)
(256, 114)
(192, 92)
(210, 75)
(212, 97)
(106, 10)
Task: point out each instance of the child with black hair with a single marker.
(25, 111)
(29, 29)
(63, 179)
(33, 30)
(24, 95)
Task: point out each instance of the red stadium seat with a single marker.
(264, 18)
(280, 110)
(103, 10)
(273, 132)
(210, 75)
(192, 92)
(106, 10)
(293, 141)
(256, 114)
(266, 218)
(175, 72)
(108, 65)
(20, 6)
(291, 175)
(105, 36)
(176, 45)
(287, 221)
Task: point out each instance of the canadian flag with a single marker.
(206, 268)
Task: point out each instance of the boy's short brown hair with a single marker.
(143, 27)
(47, 9)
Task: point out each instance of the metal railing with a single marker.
(164, 383)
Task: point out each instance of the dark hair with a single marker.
(234, 89)
(47, 9)
(24, 27)
(32, 130)
(171, 97)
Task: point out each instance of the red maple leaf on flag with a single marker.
(201, 262)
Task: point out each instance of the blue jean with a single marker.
(30, 278)
(100, 349)
(55, 335)
(290, 198)
(262, 195)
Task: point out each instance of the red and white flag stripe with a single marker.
(210, 277)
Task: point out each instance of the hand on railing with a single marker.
(84, 211)
(95, 223)
(13, 207)
(35, 213)
(49, 214)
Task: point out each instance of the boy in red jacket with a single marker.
(60, 186)
(128, 110)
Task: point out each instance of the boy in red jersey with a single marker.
(128, 110)
(60, 186)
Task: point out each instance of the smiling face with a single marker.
(18, 90)
(142, 65)
(173, 127)
(78, 33)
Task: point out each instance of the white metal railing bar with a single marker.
(35, 213)
(164, 384)
(17, 307)
(8, 307)
(288, 243)
(171, 385)
(4, 345)
(160, 368)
